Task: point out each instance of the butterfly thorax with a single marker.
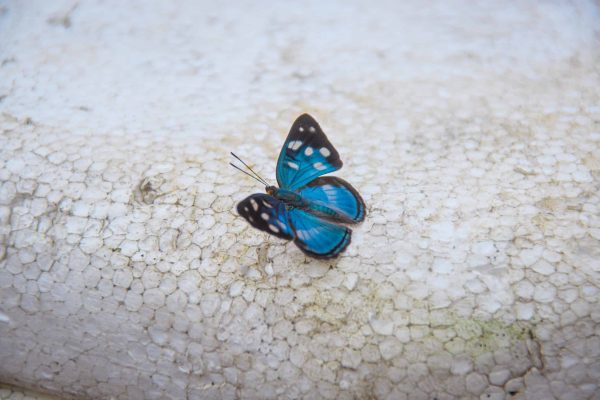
(289, 197)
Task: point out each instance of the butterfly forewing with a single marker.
(266, 213)
(334, 199)
(306, 154)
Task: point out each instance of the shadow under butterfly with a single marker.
(307, 208)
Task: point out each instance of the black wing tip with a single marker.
(239, 209)
(306, 119)
(335, 159)
(245, 210)
(244, 204)
(318, 136)
(306, 116)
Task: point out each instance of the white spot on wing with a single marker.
(319, 166)
(246, 208)
(293, 165)
(254, 204)
(266, 204)
(264, 216)
(325, 152)
(312, 129)
(281, 224)
(308, 151)
(301, 129)
(294, 144)
(250, 219)
(273, 228)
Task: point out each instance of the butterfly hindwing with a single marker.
(266, 213)
(335, 199)
(313, 235)
(306, 154)
(317, 237)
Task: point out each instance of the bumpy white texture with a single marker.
(8, 392)
(472, 132)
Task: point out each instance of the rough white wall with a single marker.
(472, 132)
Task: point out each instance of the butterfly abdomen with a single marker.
(328, 213)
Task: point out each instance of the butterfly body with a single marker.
(292, 200)
(306, 207)
(289, 197)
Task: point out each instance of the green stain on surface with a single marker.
(487, 336)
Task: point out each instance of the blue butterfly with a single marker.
(306, 207)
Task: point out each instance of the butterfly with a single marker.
(308, 208)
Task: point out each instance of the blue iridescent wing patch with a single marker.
(316, 237)
(266, 213)
(306, 154)
(334, 199)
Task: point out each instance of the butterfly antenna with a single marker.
(251, 176)
(246, 165)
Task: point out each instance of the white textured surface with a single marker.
(472, 133)
(12, 393)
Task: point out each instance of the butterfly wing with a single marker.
(334, 199)
(317, 237)
(313, 235)
(266, 213)
(306, 154)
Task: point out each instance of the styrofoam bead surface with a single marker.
(8, 392)
(471, 132)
